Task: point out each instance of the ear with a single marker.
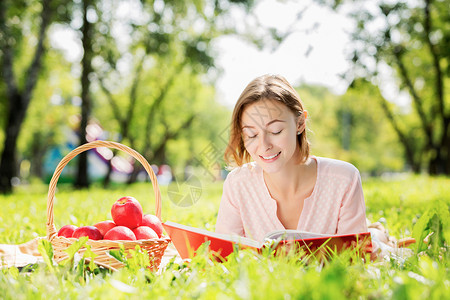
(302, 121)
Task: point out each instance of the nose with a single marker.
(265, 142)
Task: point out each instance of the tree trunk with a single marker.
(438, 164)
(405, 142)
(18, 101)
(82, 179)
(39, 147)
(8, 165)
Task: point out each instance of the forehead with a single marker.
(264, 111)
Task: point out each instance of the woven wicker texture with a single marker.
(155, 247)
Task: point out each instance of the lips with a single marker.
(270, 157)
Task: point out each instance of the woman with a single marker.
(277, 183)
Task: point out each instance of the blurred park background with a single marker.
(146, 73)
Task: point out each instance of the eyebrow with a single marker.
(271, 122)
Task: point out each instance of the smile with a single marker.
(270, 157)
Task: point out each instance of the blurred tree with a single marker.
(156, 51)
(51, 115)
(411, 38)
(171, 40)
(367, 138)
(352, 127)
(20, 70)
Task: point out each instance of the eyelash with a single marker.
(274, 133)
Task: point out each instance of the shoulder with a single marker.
(335, 167)
(244, 173)
(246, 170)
(244, 184)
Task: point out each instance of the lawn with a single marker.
(414, 205)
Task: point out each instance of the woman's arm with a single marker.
(352, 215)
(229, 219)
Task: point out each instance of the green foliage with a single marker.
(352, 127)
(405, 45)
(168, 52)
(435, 224)
(73, 249)
(50, 116)
(46, 250)
(119, 254)
(401, 201)
(161, 50)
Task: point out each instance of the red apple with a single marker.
(67, 230)
(144, 233)
(153, 222)
(90, 231)
(105, 226)
(127, 211)
(120, 233)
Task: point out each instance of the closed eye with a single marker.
(278, 132)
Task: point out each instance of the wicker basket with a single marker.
(155, 247)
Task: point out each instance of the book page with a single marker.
(289, 234)
(240, 240)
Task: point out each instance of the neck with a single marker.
(289, 182)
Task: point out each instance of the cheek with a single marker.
(287, 142)
(250, 145)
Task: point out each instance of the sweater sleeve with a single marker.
(229, 219)
(352, 214)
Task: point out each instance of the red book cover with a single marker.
(188, 239)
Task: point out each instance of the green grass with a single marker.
(245, 275)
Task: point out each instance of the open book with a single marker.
(188, 239)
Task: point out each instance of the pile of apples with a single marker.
(129, 223)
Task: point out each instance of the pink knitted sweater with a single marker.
(336, 205)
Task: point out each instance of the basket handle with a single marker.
(51, 229)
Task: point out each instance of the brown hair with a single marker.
(266, 87)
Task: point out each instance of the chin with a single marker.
(270, 168)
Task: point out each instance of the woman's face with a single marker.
(269, 132)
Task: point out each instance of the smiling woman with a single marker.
(277, 184)
(266, 101)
